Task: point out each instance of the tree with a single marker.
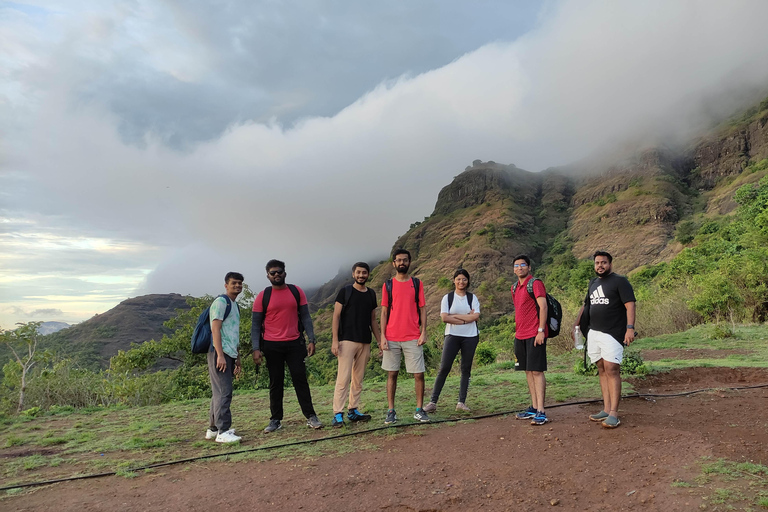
(22, 342)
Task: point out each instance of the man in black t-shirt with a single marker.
(607, 318)
(354, 320)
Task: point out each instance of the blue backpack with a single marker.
(202, 337)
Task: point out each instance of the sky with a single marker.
(153, 146)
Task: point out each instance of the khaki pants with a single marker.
(352, 360)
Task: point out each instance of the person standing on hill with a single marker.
(354, 319)
(223, 360)
(404, 332)
(530, 299)
(459, 310)
(280, 312)
(608, 319)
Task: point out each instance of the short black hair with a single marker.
(237, 276)
(462, 272)
(361, 264)
(523, 257)
(603, 253)
(401, 251)
(275, 263)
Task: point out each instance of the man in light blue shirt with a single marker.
(223, 359)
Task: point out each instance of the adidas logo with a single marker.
(598, 297)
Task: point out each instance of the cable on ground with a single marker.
(359, 432)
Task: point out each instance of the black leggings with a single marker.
(451, 347)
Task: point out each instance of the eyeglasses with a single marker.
(520, 265)
(276, 272)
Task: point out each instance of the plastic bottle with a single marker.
(578, 339)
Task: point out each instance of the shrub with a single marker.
(485, 354)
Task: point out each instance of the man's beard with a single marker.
(403, 269)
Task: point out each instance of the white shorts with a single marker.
(604, 346)
(413, 352)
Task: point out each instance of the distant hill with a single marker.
(134, 320)
(51, 327)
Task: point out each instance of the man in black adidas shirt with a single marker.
(607, 318)
(354, 319)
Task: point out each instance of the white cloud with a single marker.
(328, 191)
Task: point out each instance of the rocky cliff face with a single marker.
(630, 207)
(728, 152)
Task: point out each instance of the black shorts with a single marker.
(530, 357)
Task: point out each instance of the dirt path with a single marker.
(491, 464)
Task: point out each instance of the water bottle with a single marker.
(578, 339)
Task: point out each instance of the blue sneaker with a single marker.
(391, 417)
(338, 420)
(355, 415)
(527, 414)
(540, 418)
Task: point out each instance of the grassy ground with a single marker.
(66, 442)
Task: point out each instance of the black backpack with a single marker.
(265, 298)
(202, 337)
(470, 298)
(416, 287)
(554, 310)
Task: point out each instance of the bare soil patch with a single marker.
(491, 464)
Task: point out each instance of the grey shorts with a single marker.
(411, 350)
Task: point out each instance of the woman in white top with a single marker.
(460, 311)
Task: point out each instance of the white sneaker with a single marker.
(227, 437)
(211, 434)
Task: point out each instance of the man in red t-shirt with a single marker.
(275, 335)
(403, 332)
(531, 337)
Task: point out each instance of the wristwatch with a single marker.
(541, 330)
(630, 326)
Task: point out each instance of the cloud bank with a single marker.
(167, 214)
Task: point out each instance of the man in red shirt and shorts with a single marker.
(403, 332)
(530, 300)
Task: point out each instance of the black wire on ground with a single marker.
(359, 432)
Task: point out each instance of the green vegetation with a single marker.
(64, 441)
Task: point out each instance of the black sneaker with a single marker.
(273, 425)
(421, 416)
(314, 422)
(391, 417)
(338, 420)
(355, 415)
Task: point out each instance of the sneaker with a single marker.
(391, 417)
(599, 416)
(527, 414)
(313, 422)
(611, 422)
(430, 407)
(211, 434)
(461, 406)
(227, 437)
(338, 420)
(421, 415)
(355, 415)
(540, 418)
(273, 425)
